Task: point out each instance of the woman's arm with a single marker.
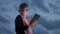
(20, 23)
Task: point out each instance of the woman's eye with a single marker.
(26, 9)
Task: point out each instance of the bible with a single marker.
(36, 17)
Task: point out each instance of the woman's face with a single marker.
(25, 11)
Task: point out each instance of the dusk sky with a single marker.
(48, 23)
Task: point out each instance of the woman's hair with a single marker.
(22, 6)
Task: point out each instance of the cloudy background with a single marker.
(48, 23)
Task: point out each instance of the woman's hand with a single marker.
(33, 24)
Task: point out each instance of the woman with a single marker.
(22, 22)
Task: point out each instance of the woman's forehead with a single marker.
(26, 7)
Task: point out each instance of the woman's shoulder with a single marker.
(18, 17)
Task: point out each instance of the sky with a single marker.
(48, 23)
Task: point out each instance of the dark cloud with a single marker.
(52, 6)
(4, 20)
(57, 12)
(38, 29)
(5, 25)
(50, 25)
(3, 9)
(40, 4)
(15, 7)
(4, 30)
(55, 8)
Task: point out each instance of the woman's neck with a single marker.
(23, 16)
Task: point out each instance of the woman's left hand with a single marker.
(33, 24)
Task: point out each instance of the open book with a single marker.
(36, 17)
